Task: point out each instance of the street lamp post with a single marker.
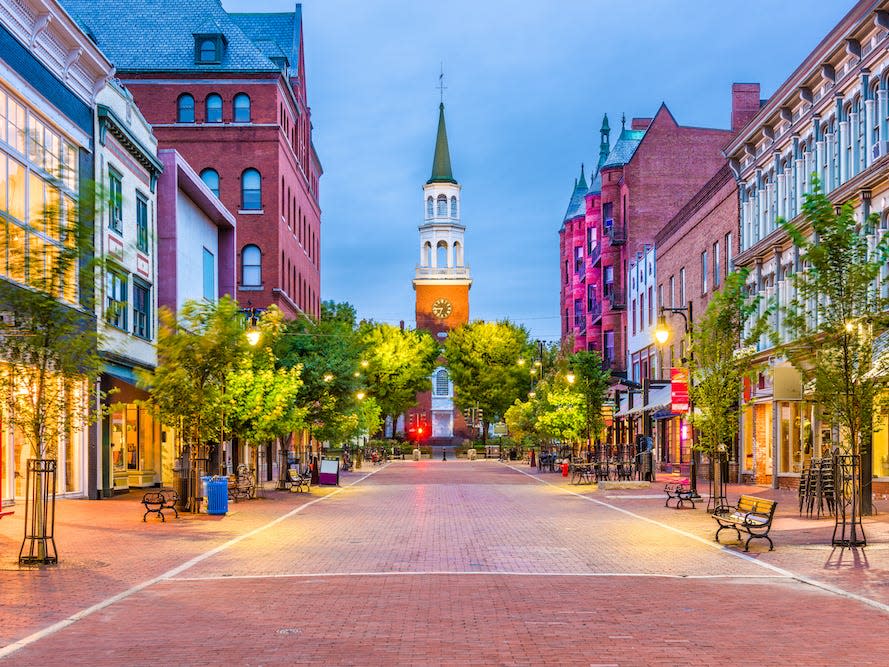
(661, 335)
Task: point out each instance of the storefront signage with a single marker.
(679, 390)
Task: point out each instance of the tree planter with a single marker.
(848, 530)
(39, 547)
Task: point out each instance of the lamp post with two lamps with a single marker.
(661, 336)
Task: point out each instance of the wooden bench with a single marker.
(752, 515)
(157, 501)
(242, 485)
(299, 481)
(680, 492)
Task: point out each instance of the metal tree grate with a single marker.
(39, 546)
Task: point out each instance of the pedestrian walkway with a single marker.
(433, 562)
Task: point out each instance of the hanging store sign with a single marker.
(679, 390)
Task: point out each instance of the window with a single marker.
(141, 310)
(728, 253)
(634, 317)
(590, 239)
(208, 49)
(650, 306)
(251, 266)
(567, 272)
(141, 223)
(608, 214)
(578, 259)
(209, 273)
(213, 108)
(242, 108)
(641, 311)
(579, 322)
(115, 202)
(429, 207)
(441, 382)
(116, 299)
(251, 190)
(590, 296)
(185, 109)
(672, 292)
(682, 286)
(210, 177)
(608, 352)
(442, 205)
(704, 272)
(453, 207)
(716, 276)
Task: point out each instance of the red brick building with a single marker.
(228, 92)
(653, 169)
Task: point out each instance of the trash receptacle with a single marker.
(217, 500)
(205, 480)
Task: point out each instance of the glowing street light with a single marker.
(570, 377)
(360, 395)
(328, 377)
(661, 331)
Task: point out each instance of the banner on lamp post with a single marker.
(679, 390)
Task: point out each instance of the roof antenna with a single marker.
(441, 86)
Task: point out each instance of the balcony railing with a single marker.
(616, 298)
(617, 234)
(443, 273)
(596, 254)
(595, 310)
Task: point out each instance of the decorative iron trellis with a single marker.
(848, 530)
(39, 546)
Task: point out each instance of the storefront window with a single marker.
(796, 435)
(132, 438)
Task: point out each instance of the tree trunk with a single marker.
(866, 472)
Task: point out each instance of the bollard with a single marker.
(444, 455)
(565, 468)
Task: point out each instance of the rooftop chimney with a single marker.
(745, 104)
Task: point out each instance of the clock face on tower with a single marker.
(441, 308)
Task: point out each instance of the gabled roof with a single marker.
(624, 148)
(576, 205)
(158, 36)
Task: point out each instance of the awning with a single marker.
(658, 399)
(119, 371)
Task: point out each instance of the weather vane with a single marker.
(441, 86)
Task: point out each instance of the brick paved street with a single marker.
(443, 563)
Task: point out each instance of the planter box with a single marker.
(612, 486)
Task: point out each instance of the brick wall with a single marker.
(276, 143)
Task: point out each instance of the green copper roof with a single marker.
(441, 163)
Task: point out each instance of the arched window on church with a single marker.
(458, 254)
(427, 252)
(442, 205)
(441, 255)
(429, 209)
(442, 387)
(453, 207)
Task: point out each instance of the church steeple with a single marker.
(441, 162)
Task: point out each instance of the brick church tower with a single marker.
(441, 283)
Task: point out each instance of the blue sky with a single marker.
(527, 86)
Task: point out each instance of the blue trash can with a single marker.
(205, 480)
(217, 500)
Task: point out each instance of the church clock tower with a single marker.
(442, 281)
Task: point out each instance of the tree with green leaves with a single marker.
(592, 381)
(720, 360)
(399, 364)
(560, 411)
(831, 320)
(329, 351)
(49, 346)
(489, 365)
(197, 350)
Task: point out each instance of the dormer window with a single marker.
(208, 49)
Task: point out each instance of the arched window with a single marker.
(208, 52)
(242, 108)
(441, 255)
(210, 177)
(441, 383)
(251, 266)
(427, 254)
(458, 254)
(453, 207)
(251, 190)
(442, 205)
(213, 108)
(429, 209)
(185, 109)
